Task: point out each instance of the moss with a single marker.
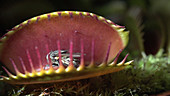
(148, 75)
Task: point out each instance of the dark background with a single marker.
(147, 20)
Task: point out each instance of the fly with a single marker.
(65, 58)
